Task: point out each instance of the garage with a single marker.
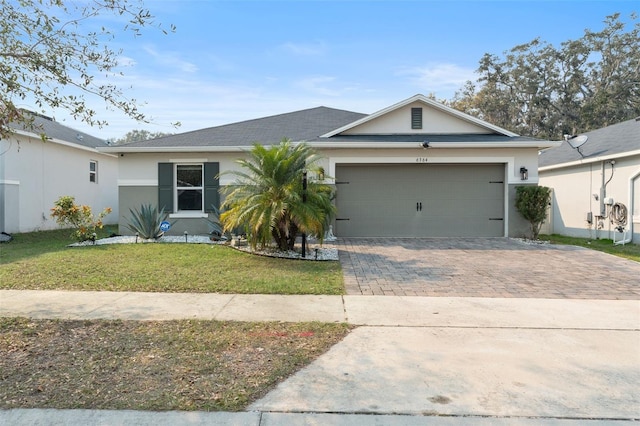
(420, 200)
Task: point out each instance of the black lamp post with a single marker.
(304, 200)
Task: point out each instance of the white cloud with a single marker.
(440, 78)
(125, 61)
(318, 85)
(171, 59)
(305, 49)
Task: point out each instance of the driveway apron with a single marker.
(505, 344)
(484, 267)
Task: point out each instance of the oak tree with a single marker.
(540, 90)
(136, 136)
(54, 53)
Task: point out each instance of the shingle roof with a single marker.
(54, 130)
(615, 139)
(422, 137)
(305, 125)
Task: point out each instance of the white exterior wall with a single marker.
(574, 188)
(142, 169)
(513, 158)
(34, 174)
(399, 122)
(139, 169)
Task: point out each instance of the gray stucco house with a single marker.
(415, 169)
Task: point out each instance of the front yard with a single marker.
(39, 261)
(162, 365)
(153, 365)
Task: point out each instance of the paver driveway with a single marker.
(483, 267)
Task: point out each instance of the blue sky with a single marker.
(230, 61)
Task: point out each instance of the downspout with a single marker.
(603, 193)
(630, 210)
(602, 215)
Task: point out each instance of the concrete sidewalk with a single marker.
(414, 360)
(173, 418)
(410, 311)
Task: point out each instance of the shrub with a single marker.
(269, 200)
(146, 222)
(67, 213)
(532, 202)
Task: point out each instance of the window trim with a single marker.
(187, 213)
(94, 172)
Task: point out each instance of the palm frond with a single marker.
(266, 197)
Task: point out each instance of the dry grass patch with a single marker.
(169, 365)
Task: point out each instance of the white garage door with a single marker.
(420, 200)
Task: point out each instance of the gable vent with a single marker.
(416, 118)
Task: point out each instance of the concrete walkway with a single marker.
(414, 360)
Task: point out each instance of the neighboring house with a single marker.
(590, 180)
(34, 173)
(414, 169)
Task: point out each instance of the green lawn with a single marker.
(628, 251)
(42, 260)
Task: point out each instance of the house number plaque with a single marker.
(422, 160)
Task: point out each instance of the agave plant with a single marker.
(215, 228)
(146, 221)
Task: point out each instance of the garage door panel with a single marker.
(384, 200)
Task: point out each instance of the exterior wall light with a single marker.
(524, 173)
(321, 173)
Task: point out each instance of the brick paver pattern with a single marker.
(484, 267)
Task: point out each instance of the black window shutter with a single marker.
(165, 187)
(211, 186)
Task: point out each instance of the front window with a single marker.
(189, 179)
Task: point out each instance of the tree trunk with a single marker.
(279, 238)
(293, 233)
(285, 234)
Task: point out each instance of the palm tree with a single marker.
(267, 199)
